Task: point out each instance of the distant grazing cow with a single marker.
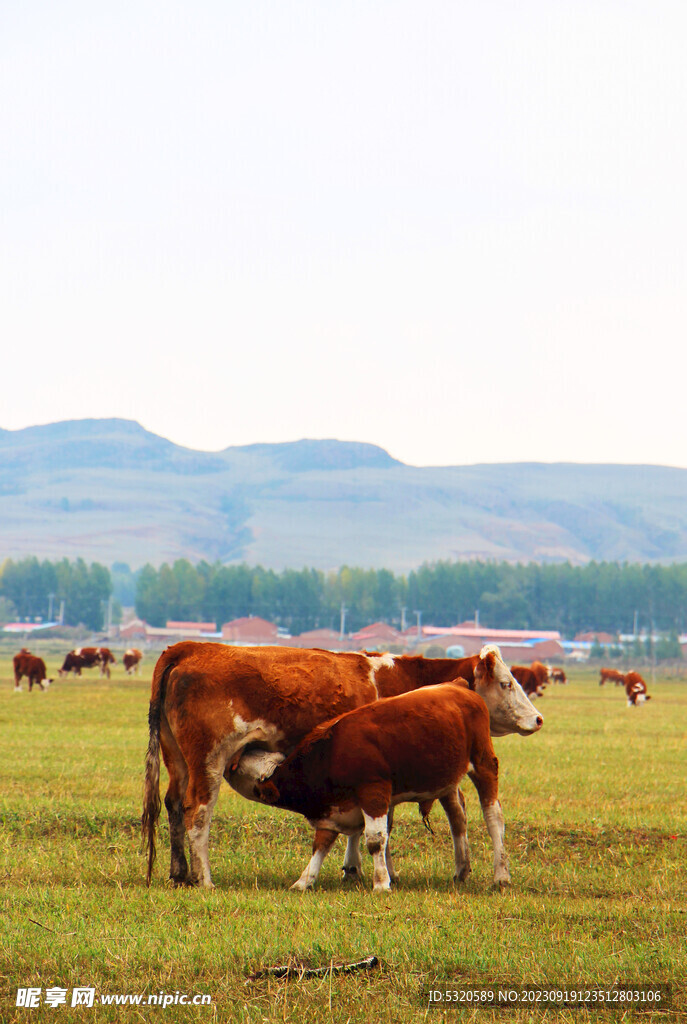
(348, 773)
(557, 675)
(528, 679)
(26, 664)
(635, 688)
(72, 663)
(209, 703)
(131, 660)
(89, 655)
(106, 658)
(611, 675)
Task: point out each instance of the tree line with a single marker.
(30, 589)
(599, 596)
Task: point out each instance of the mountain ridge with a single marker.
(110, 490)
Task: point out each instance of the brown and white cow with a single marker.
(635, 688)
(348, 773)
(611, 675)
(531, 680)
(72, 663)
(209, 703)
(557, 675)
(131, 660)
(27, 664)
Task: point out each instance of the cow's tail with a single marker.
(151, 788)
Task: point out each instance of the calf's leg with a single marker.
(353, 865)
(454, 806)
(322, 843)
(375, 802)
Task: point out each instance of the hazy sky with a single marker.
(454, 229)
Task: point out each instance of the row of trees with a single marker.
(601, 595)
(33, 589)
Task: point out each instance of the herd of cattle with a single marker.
(338, 737)
(29, 665)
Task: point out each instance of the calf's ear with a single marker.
(267, 792)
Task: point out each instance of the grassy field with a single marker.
(596, 827)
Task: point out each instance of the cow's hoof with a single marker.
(351, 876)
(382, 888)
(461, 875)
(301, 886)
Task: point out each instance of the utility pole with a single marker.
(418, 616)
(62, 612)
(476, 618)
(51, 598)
(344, 609)
(634, 626)
(403, 618)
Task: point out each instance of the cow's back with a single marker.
(280, 691)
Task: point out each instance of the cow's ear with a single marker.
(267, 792)
(488, 661)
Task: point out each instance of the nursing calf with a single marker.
(348, 773)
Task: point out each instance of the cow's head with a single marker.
(510, 709)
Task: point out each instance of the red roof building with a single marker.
(250, 630)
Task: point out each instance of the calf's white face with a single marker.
(255, 766)
(510, 709)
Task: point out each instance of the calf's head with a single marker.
(510, 709)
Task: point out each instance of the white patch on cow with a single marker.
(77, 651)
(348, 823)
(17, 689)
(641, 699)
(377, 661)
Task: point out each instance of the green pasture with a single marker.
(595, 829)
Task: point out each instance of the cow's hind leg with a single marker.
(201, 796)
(454, 806)
(485, 775)
(174, 802)
(322, 843)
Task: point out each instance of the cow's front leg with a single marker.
(322, 843)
